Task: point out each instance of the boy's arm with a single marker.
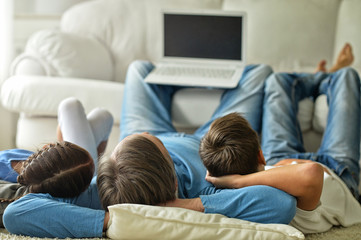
(303, 181)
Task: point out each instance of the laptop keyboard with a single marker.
(195, 72)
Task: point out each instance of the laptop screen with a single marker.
(203, 36)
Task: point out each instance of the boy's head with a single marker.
(231, 146)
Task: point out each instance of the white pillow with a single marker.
(132, 221)
(62, 54)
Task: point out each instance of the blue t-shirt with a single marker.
(7, 173)
(41, 215)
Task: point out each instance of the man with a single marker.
(133, 175)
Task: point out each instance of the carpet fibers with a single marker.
(336, 233)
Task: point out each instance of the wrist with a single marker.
(192, 204)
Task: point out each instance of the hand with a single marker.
(227, 181)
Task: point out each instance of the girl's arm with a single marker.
(303, 181)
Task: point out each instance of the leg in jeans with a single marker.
(281, 133)
(146, 107)
(340, 148)
(246, 98)
(76, 128)
(282, 137)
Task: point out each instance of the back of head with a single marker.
(138, 173)
(231, 146)
(62, 169)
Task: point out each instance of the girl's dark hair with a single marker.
(61, 169)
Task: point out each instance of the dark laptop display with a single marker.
(203, 36)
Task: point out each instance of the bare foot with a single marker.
(345, 58)
(321, 66)
(59, 134)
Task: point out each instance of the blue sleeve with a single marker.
(260, 204)
(89, 198)
(7, 173)
(40, 215)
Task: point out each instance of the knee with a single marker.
(140, 67)
(266, 69)
(105, 116)
(274, 82)
(348, 76)
(261, 69)
(69, 104)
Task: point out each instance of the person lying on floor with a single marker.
(63, 169)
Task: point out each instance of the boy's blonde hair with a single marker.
(231, 146)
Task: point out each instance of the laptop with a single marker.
(201, 49)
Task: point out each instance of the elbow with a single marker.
(10, 220)
(312, 174)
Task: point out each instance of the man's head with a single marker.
(231, 146)
(139, 170)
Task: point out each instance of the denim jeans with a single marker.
(147, 107)
(281, 133)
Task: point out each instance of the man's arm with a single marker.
(304, 181)
(260, 204)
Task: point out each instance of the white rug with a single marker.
(336, 233)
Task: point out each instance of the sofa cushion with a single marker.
(280, 34)
(132, 221)
(54, 53)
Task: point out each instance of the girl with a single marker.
(63, 169)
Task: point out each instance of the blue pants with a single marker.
(147, 107)
(281, 133)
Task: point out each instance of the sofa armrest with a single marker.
(39, 95)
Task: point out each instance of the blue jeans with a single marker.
(147, 107)
(281, 133)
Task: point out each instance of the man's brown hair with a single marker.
(138, 172)
(231, 146)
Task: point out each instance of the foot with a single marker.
(321, 66)
(345, 58)
(59, 134)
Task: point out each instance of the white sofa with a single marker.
(87, 57)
